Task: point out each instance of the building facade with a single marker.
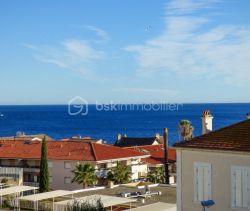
(215, 166)
(20, 161)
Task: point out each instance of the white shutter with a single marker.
(245, 197)
(248, 189)
(233, 187)
(195, 182)
(202, 181)
(207, 182)
(240, 177)
(238, 189)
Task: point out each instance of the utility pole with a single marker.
(165, 138)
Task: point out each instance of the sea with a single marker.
(59, 122)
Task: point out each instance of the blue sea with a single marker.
(55, 120)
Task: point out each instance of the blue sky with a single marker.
(124, 51)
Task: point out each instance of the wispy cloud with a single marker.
(103, 35)
(180, 7)
(73, 54)
(189, 46)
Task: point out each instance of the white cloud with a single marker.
(73, 54)
(99, 32)
(188, 46)
(179, 7)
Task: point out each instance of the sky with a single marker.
(178, 51)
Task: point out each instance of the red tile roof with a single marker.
(61, 150)
(156, 153)
(232, 138)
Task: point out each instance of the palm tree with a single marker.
(156, 176)
(84, 174)
(119, 174)
(186, 129)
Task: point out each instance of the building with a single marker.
(21, 136)
(84, 139)
(130, 141)
(156, 158)
(21, 160)
(215, 166)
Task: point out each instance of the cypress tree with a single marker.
(44, 172)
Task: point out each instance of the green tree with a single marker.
(119, 174)
(78, 205)
(84, 174)
(44, 172)
(156, 176)
(186, 130)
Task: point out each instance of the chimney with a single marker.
(157, 135)
(207, 122)
(165, 138)
(248, 115)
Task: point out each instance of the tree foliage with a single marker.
(156, 176)
(44, 171)
(119, 174)
(91, 205)
(84, 174)
(186, 129)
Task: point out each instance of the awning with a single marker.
(46, 195)
(16, 189)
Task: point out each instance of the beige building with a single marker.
(20, 161)
(215, 166)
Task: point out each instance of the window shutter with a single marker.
(195, 182)
(245, 188)
(207, 182)
(248, 189)
(202, 181)
(233, 187)
(238, 190)
(200, 184)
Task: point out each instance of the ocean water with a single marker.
(57, 123)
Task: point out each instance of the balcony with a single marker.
(25, 168)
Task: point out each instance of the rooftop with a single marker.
(168, 194)
(65, 150)
(235, 137)
(156, 153)
(130, 142)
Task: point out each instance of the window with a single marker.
(50, 164)
(67, 165)
(240, 178)
(103, 165)
(202, 181)
(67, 180)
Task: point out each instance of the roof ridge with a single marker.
(218, 130)
(93, 150)
(234, 137)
